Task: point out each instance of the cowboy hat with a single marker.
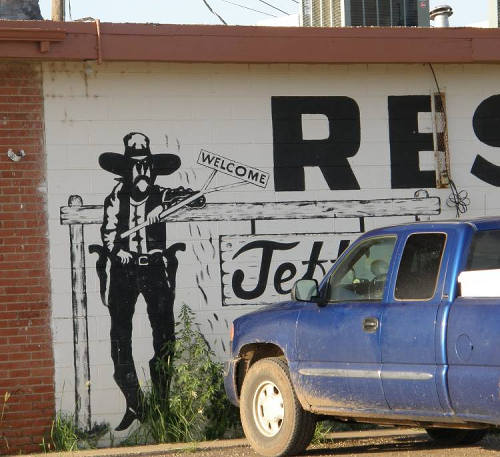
(137, 148)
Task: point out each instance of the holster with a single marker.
(104, 256)
(101, 269)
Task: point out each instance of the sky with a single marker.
(195, 12)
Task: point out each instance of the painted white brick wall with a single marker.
(225, 109)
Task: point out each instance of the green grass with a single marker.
(65, 435)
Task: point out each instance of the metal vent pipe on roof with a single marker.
(440, 15)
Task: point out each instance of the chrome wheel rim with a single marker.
(268, 409)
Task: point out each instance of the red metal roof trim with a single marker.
(42, 36)
(232, 44)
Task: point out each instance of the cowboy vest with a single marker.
(155, 233)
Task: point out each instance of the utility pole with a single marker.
(58, 10)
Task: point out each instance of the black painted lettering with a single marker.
(343, 245)
(486, 123)
(253, 175)
(406, 142)
(207, 157)
(292, 153)
(280, 278)
(268, 248)
(314, 261)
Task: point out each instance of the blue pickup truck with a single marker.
(387, 337)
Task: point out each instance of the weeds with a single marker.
(192, 406)
(321, 432)
(65, 435)
(326, 427)
(6, 398)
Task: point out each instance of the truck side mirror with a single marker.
(305, 290)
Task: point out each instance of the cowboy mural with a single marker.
(141, 262)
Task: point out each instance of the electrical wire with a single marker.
(295, 1)
(272, 6)
(247, 8)
(435, 79)
(458, 199)
(213, 12)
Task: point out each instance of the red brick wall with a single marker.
(26, 359)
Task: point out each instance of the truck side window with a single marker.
(484, 252)
(419, 268)
(362, 273)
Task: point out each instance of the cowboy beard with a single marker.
(141, 179)
(141, 188)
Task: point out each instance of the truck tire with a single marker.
(273, 420)
(451, 436)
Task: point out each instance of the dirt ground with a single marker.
(395, 446)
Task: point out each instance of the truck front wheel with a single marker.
(450, 436)
(273, 420)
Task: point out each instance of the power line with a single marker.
(272, 6)
(247, 8)
(213, 12)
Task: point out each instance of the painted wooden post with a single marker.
(80, 324)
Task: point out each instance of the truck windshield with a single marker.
(484, 252)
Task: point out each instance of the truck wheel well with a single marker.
(252, 353)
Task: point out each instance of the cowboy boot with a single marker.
(135, 401)
(127, 419)
(135, 410)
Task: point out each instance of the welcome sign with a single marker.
(232, 168)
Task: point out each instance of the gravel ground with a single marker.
(400, 446)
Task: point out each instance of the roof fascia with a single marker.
(78, 41)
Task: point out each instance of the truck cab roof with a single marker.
(485, 223)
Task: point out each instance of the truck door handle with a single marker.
(370, 324)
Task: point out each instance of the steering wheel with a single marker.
(360, 286)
